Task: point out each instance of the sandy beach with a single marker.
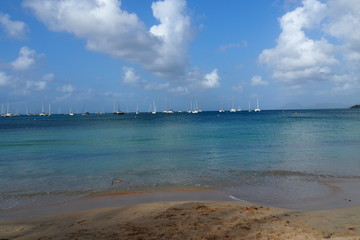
(188, 220)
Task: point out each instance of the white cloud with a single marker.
(107, 28)
(179, 90)
(13, 29)
(344, 24)
(38, 86)
(4, 79)
(25, 60)
(211, 80)
(257, 81)
(299, 60)
(48, 77)
(68, 88)
(174, 31)
(130, 77)
(345, 84)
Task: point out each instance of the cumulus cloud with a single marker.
(211, 80)
(344, 24)
(130, 77)
(299, 60)
(108, 28)
(257, 81)
(13, 29)
(25, 60)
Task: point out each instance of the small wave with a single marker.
(236, 199)
(289, 173)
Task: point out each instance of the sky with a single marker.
(86, 55)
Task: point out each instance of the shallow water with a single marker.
(265, 157)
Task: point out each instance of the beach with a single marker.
(188, 220)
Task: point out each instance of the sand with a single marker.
(188, 220)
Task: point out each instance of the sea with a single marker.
(269, 157)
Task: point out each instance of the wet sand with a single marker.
(187, 214)
(189, 220)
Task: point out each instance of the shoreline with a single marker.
(344, 194)
(114, 199)
(182, 214)
(189, 220)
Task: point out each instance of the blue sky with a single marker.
(76, 53)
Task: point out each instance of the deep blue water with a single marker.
(59, 157)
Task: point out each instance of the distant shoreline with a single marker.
(355, 106)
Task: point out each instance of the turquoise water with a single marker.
(252, 156)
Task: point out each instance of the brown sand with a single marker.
(189, 220)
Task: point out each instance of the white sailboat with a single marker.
(42, 114)
(27, 111)
(249, 107)
(191, 107)
(195, 109)
(257, 109)
(8, 113)
(137, 109)
(232, 110)
(165, 108)
(71, 113)
(153, 111)
(49, 110)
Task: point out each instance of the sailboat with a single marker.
(27, 111)
(153, 111)
(49, 110)
(137, 109)
(8, 113)
(84, 112)
(117, 111)
(233, 109)
(196, 108)
(249, 107)
(71, 113)
(257, 109)
(165, 108)
(42, 114)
